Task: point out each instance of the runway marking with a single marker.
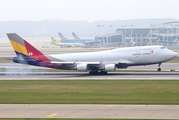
(72, 78)
(110, 78)
(34, 78)
(53, 115)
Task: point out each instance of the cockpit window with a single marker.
(163, 47)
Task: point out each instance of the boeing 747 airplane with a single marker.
(95, 62)
(63, 39)
(82, 40)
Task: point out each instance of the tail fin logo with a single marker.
(152, 51)
(61, 36)
(75, 36)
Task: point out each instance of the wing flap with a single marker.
(59, 62)
(90, 63)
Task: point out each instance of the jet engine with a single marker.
(82, 67)
(110, 67)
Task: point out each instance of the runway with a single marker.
(24, 72)
(164, 67)
(86, 76)
(89, 111)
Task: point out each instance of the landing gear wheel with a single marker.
(102, 73)
(90, 73)
(159, 69)
(98, 73)
(93, 73)
(105, 73)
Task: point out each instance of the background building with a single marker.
(166, 34)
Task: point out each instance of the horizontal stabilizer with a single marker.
(30, 60)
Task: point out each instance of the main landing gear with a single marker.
(159, 69)
(98, 73)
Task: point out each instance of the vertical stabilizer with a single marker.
(25, 50)
(61, 36)
(54, 41)
(75, 36)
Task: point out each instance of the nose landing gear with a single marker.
(159, 69)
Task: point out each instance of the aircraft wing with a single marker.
(59, 62)
(92, 63)
(71, 63)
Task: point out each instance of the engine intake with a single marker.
(110, 67)
(82, 67)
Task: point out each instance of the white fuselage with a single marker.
(129, 55)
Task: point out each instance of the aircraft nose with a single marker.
(173, 54)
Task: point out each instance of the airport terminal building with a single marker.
(166, 34)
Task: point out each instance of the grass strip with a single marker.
(68, 119)
(89, 92)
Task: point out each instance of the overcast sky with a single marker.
(88, 10)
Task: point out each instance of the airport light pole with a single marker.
(99, 32)
(125, 34)
(111, 26)
(151, 36)
(99, 29)
(103, 34)
(172, 32)
(131, 33)
(167, 36)
(177, 32)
